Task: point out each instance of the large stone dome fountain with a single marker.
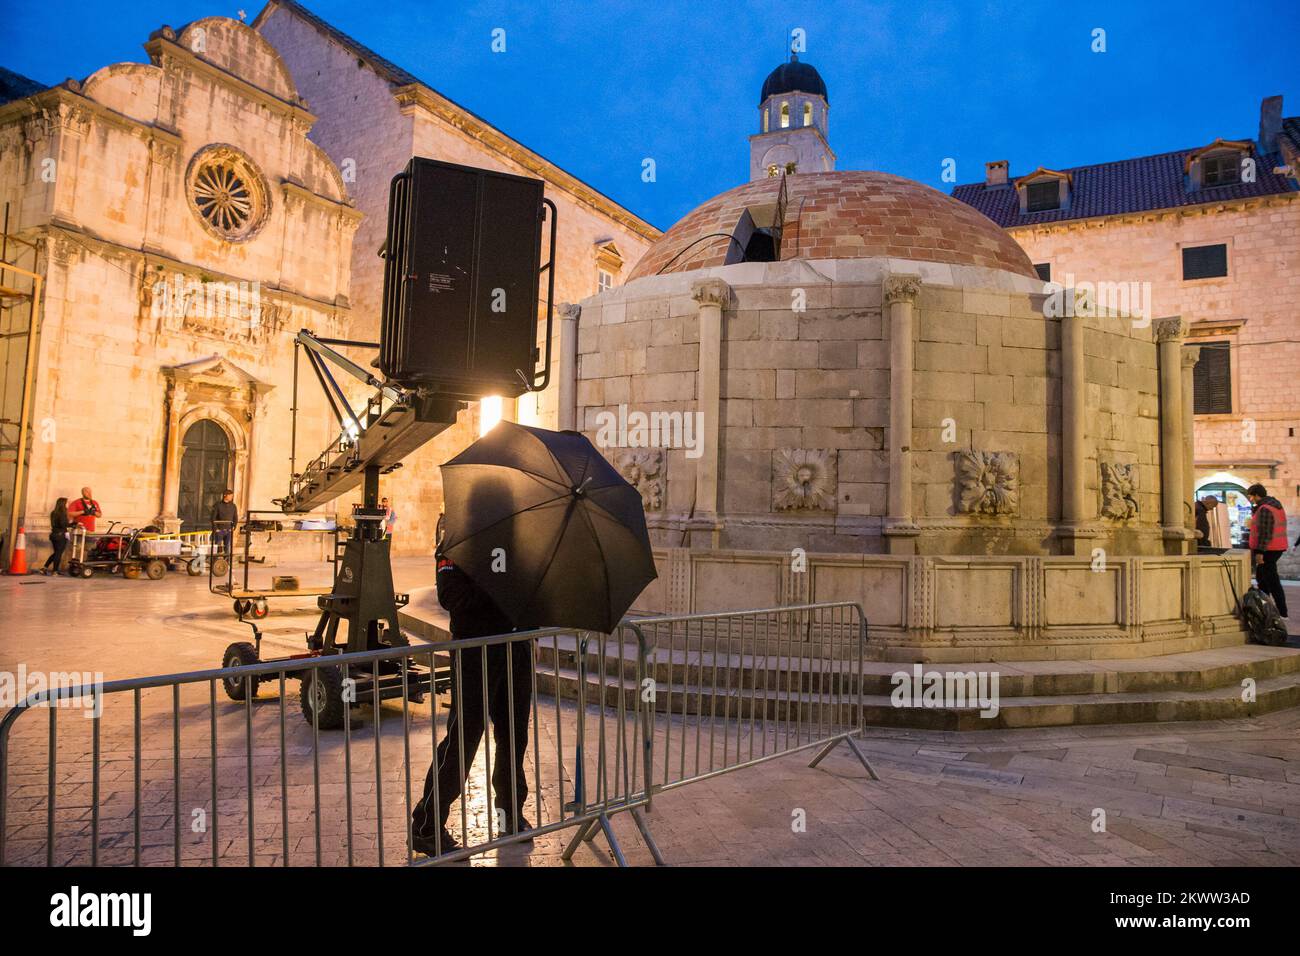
(850, 386)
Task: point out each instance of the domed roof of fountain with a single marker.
(840, 215)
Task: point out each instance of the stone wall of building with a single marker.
(1252, 308)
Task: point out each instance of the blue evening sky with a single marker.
(599, 87)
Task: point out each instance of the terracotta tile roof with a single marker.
(1128, 185)
(841, 215)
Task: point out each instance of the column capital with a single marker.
(1171, 329)
(1191, 355)
(711, 291)
(569, 311)
(902, 288)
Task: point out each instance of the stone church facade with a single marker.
(190, 214)
(374, 116)
(185, 228)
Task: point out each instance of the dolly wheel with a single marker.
(84, 571)
(322, 692)
(242, 606)
(155, 569)
(195, 567)
(239, 655)
(261, 608)
(220, 567)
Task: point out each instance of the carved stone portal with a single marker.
(1119, 485)
(803, 479)
(643, 468)
(988, 482)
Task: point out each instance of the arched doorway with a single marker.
(1232, 492)
(205, 473)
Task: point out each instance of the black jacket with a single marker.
(225, 511)
(473, 612)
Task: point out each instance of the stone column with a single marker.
(1169, 334)
(256, 418)
(566, 389)
(1191, 355)
(713, 295)
(1075, 513)
(168, 520)
(900, 295)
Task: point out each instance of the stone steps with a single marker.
(1200, 670)
(1204, 685)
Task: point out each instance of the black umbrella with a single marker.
(547, 527)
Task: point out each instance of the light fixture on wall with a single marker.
(489, 413)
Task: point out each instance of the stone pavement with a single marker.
(1190, 793)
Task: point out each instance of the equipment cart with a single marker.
(252, 598)
(115, 550)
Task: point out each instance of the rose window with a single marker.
(227, 193)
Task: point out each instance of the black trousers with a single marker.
(1269, 581)
(504, 709)
(59, 541)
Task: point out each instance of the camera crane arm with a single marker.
(395, 423)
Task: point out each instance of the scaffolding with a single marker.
(20, 300)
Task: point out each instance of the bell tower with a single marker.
(792, 113)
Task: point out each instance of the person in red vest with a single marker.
(85, 510)
(1267, 542)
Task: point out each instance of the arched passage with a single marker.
(1231, 491)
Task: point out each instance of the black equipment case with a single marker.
(462, 263)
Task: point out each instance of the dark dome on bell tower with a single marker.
(793, 77)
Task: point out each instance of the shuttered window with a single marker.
(1221, 170)
(1205, 262)
(1212, 380)
(1040, 197)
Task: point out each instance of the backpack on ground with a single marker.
(1264, 625)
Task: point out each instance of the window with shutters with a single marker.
(1043, 196)
(1212, 380)
(1205, 262)
(1221, 170)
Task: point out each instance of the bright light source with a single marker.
(526, 411)
(489, 413)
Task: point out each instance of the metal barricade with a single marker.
(163, 772)
(736, 689)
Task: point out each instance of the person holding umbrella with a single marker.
(509, 679)
(539, 531)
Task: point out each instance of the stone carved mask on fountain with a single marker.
(803, 479)
(642, 468)
(988, 482)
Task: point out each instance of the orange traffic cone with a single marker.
(18, 562)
